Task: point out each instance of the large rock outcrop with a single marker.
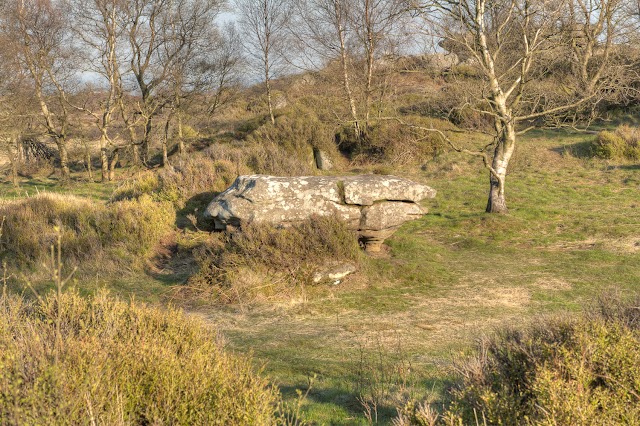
(373, 205)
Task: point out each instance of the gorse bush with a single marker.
(260, 261)
(620, 144)
(90, 231)
(120, 363)
(557, 372)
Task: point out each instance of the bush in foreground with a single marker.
(120, 363)
(557, 372)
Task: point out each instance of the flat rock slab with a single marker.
(373, 205)
(364, 190)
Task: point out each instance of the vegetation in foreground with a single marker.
(556, 371)
(386, 335)
(68, 359)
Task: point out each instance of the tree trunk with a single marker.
(135, 153)
(104, 159)
(112, 164)
(14, 158)
(344, 60)
(370, 48)
(14, 173)
(269, 101)
(87, 160)
(165, 142)
(64, 159)
(146, 140)
(501, 157)
(180, 135)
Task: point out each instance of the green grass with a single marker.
(77, 186)
(572, 231)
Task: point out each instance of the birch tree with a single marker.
(374, 22)
(41, 38)
(507, 41)
(263, 24)
(98, 26)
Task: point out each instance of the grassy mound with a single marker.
(91, 232)
(104, 361)
(262, 262)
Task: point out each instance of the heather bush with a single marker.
(126, 230)
(286, 147)
(394, 143)
(561, 371)
(620, 144)
(144, 183)
(188, 176)
(72, 360)
(261, 261)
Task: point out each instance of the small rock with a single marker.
(334, 272)
(323, 161)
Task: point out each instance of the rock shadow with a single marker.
(190, 216)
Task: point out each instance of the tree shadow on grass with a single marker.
(351, 403)
(580, 150)
(628, 167)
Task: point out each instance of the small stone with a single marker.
(334, 272)
(323, 161)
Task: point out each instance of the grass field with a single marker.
(391, 331)
(573, 231)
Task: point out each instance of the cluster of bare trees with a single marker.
(133, 68)
(114, 66)
(358, 35)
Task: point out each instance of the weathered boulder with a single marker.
(373, 205)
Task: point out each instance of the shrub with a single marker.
(261, 261)
(194, 175)
(130, 189)
(291, 140)
(264, 157)
(396, 143)
(132, 228)
(621, 144)
(120, 363)
(188, 176)
(584, 371)
(121, 230)
(400, 145)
